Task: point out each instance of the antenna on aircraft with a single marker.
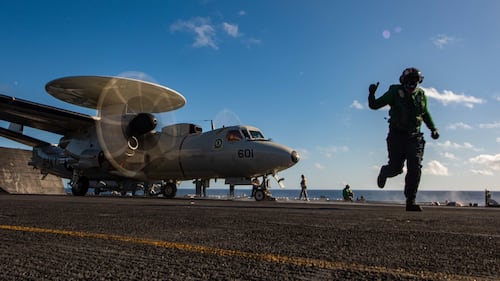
(211, 123)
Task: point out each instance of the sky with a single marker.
(298, 70)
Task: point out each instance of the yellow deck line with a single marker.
(273, 258)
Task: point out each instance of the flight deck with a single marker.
(131, 238)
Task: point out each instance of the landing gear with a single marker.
(80, 187)
(169, 190)
(262, 192)
(259, 195)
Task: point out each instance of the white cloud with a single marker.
(482, 172)
(230, 29)
(434, 167)
(452, 145)
(242, 13)
(319, 166)
(205, 33)
(205, 36)
(331, 150)
(449, 155)
(468, 145)
(488, 161)
(449, 97)
(459, 125)
(357, 105)
(490, 125)
(498, 139)
(442, 40)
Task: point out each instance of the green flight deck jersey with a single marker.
(407, 110)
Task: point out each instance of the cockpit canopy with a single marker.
(244, 133)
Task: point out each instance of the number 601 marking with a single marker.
(245, 153)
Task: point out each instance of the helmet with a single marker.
(411, 75)
(410, 79)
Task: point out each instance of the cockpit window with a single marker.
(234, 135)
(245, 133)
(256, 135)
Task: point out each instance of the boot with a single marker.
(382, 178)
(411, 206)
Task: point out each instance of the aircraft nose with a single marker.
(295, 157)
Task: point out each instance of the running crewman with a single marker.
(408, 108)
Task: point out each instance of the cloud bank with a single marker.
(448, 97)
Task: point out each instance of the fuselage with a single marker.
(177, 152)
(236, 151)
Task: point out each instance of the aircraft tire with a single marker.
(169, 190)
(81, 187)
(259, 195)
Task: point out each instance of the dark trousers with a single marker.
(409, 147)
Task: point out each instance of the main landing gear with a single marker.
(169, 189)
(80, 186)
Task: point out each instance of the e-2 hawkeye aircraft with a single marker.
(122, 143)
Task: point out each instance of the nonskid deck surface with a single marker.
(66, 237)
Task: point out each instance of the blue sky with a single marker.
(298, 70)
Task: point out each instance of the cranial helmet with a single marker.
(411, 75)
(410, 79)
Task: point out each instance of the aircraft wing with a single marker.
(42, 117)
(21, 138)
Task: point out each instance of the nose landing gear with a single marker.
(262, 192)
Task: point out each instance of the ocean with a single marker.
(465, 198)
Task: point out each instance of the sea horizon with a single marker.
(426, 196)
(463, 197)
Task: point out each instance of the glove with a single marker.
(434, 134)
(373, 88)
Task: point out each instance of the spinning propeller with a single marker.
(126, 123)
